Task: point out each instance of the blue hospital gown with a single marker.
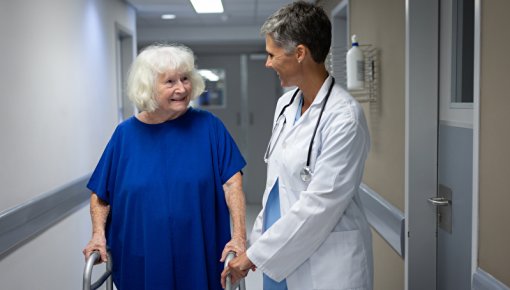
(168, 221)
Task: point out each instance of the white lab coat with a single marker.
(322, 240)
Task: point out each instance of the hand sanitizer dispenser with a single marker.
(355, 66)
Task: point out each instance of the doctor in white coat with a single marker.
(312, 232)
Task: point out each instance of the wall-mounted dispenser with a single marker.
(356, 67)
(355, 61)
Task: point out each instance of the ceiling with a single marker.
(240, 22)
(237, 12)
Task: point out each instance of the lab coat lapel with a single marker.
(290, 116)
(321, 95)
(290, 113)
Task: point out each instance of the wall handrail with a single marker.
(385, 218)
(22, 222)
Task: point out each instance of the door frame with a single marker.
(421, 128)
(125, 47)
(476, 138)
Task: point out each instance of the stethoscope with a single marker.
(306, 172)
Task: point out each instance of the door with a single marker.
(229, 108)
(439, 150)
(455, 145)
(125, 53)
(263, 91)
(422, 26)
(251, 93)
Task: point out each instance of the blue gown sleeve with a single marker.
(229, 157)
(102, 180)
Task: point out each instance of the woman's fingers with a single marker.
(236, 274)
(104, 255)
(96, 244)
(235, 245)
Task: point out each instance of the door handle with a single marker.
(443, 204)
(439, 201)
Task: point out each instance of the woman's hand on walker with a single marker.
(237, 269)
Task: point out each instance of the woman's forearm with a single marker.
(99, 211)
(234, 196)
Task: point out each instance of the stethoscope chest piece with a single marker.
(306, 174)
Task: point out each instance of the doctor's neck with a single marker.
(313, 77)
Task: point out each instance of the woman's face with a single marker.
(284, 64)
(173, 92)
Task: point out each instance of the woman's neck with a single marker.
(158, 116)
(311, 84)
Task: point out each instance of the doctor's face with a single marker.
(283, 63)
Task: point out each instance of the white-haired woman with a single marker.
(166, 182)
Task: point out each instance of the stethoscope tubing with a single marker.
(318, 122)
(309, 155)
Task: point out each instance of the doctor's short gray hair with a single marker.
(153, 61)
(300, 23)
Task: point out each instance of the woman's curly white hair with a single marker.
(153, 61)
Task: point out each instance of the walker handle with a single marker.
(107, 275)
(241, 284)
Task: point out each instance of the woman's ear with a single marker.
(301, 52)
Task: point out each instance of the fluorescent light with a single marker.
(209, 75)
(207, 6)
(168, 16)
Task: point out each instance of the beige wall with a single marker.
(388, 266)
(328, 5)
(382, 24)
(494, 239)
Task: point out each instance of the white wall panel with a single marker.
(58, 108)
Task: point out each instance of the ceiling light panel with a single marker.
(207, 6)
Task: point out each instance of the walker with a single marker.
(107, 275)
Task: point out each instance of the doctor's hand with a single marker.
(237, 268)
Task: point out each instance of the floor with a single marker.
(254, 279)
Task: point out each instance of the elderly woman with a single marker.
(166, 182)
(312, 232)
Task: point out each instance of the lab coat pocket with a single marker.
(340, 262)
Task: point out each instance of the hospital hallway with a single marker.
(432, 87)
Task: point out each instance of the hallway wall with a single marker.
(59, 108)
(382, 24)
(494, 197)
